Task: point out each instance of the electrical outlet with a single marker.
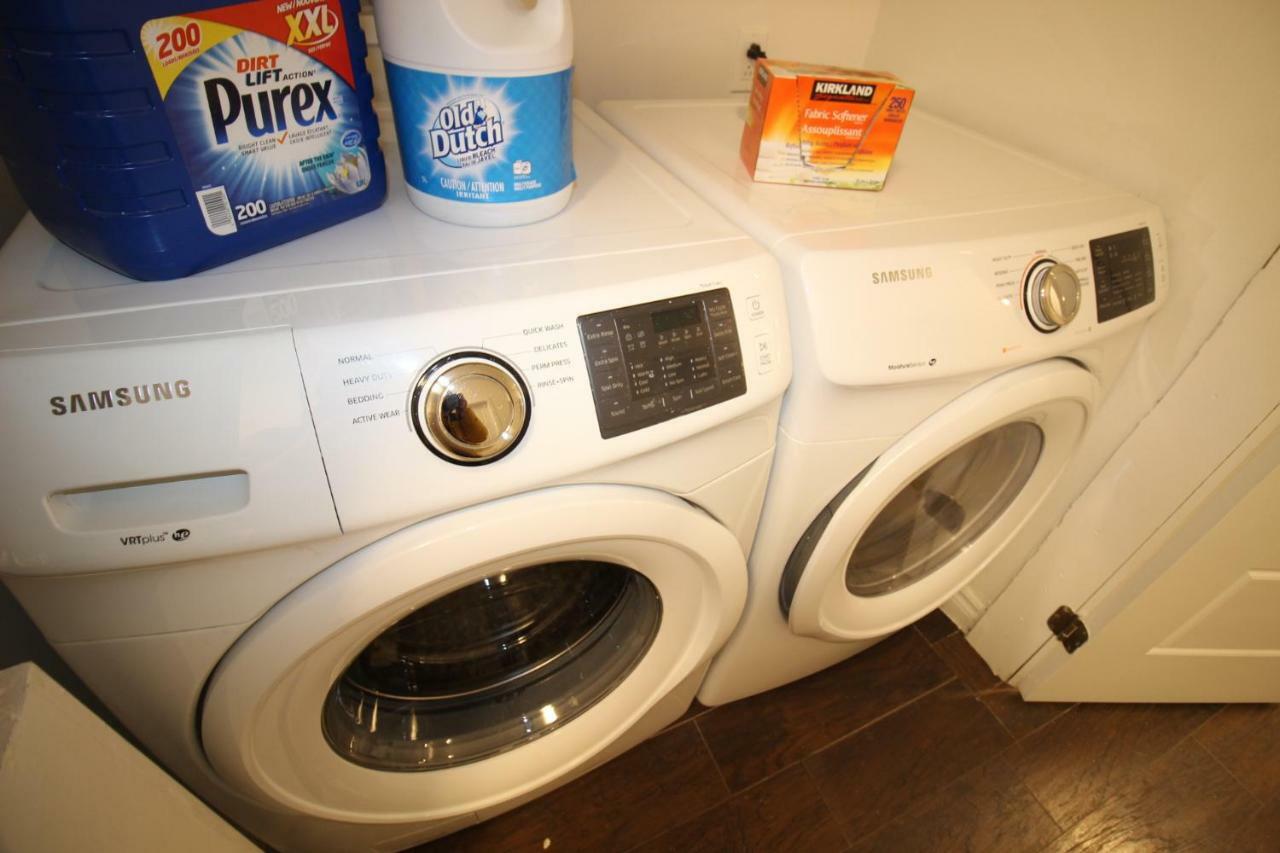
(740, 81)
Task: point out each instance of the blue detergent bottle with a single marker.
(164, 137)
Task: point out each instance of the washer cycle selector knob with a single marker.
(470, 408)
(1052, 294)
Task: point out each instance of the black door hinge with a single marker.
(1069, 628)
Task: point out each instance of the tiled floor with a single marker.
(915, 745)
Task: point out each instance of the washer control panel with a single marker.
(653, 362)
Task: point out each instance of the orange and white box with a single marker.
(823, 126)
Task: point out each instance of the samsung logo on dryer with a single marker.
(125, 395)
(904, 274)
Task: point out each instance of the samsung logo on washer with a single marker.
(895, 276)
(108, 398)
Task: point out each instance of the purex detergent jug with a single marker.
(163, 137)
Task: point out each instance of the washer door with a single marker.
(914, 527)
(471, 658)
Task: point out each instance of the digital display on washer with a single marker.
(1124, 273)
(675, 318)
(657, 361)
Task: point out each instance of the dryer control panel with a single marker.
(653, 362)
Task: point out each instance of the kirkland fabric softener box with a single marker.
(823, 126)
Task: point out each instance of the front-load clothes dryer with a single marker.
(953, 335)
(389, 529)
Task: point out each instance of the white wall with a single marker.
(1172, 101)
(674, 49)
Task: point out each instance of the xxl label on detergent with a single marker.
(262, 100)
(483, 139)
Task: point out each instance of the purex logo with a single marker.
(905, 274)
(842, 90)
(125, 395)
(271, 111)
(312, 27)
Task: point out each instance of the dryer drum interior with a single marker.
(492, 665)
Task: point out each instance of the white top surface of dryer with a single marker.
(925, 279)
(940, 170)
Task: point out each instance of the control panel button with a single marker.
(764, 352)
(599, 331)
(470, 408)
(609, 384)
(604, 357)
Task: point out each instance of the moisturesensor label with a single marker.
(261, 98)
(483, 139)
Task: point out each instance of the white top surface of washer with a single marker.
(622, 204)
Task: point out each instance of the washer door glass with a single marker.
(944, 509)
(490, 666)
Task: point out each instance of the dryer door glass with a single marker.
(493, 665)
(944, 509)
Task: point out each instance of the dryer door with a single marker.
(474, 657)
(914, 527)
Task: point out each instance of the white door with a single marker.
(1171, 557)
(474, 657)
(933, 510)
(1198, 623)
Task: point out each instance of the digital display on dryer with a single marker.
(1123, 272)
(653, 362)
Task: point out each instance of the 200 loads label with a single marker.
(261, 98)
(483, 139)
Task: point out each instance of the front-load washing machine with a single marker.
(952, 336)
(391, 528)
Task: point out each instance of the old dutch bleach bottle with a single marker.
(482, 104)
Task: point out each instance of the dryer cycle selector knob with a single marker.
(470, 408)
(1052, 294)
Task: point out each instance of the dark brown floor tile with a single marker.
(967, 664)
(1074, 764)
(986, 809)
(757, 736)
(637, 796)
(1260, 832)
(1018, 717)
(783, 813)
(876, 774)
(935, 626)
(1184, 801)
(710, 832)
(1246, 739)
